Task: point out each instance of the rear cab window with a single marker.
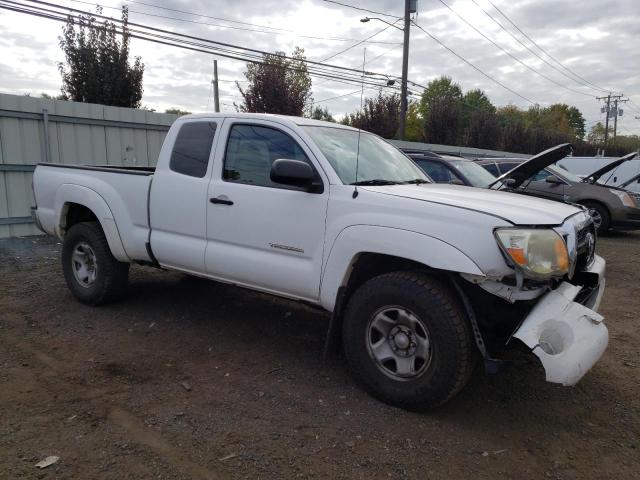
(190, 155)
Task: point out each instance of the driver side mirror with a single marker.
(295, 173)
(554, 180)
(456, 181)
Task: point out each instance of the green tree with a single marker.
(440, 107)
(414, 125)
(177, 111)
(97, 66)
(379, 115)
(277, 85)
(442, 122)
(565, 118)
(442, 88)
(319, 113)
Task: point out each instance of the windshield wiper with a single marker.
(375, 182)
(415, 181)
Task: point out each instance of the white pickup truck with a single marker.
(422, 280)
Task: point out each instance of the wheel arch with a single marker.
(75, 203)
(363, 251)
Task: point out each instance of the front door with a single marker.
(260, 233)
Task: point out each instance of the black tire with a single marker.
(111, 276)
(603, 213)
(452, 352)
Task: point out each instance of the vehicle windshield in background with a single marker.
(477, 176)
(564, 173)
(379, 161)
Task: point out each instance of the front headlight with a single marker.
(624, 197)
(539, 253)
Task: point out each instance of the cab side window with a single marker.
(190, 155)
(251, 149)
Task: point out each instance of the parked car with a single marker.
(452, 169)
(610, 207)
(415, 274)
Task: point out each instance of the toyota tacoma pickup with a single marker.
(422, 280)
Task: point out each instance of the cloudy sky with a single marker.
(596, 39)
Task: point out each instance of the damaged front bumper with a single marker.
(568, 337)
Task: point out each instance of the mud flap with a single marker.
(566, 336)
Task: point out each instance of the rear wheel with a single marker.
(92, 273)
(600, 215)
(407, 341)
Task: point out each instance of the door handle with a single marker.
(221, 201)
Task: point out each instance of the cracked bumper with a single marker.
(568, 337)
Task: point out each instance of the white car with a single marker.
(415, 274)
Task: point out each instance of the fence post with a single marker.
(47, 146)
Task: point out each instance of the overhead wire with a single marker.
(317, 69)
(545, 51)
(498, 82)
(513, 56)
(361, 9)
(533, 52)
(319, 66)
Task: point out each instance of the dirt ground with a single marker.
(193, 379)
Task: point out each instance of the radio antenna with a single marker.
(355, 187)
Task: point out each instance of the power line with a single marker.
(337, 96)
(318, 69)
(358, 43)
(361, 9)
(355, 73)
(536, 54)
(291, 32)
(544, 51)
(473, 66)
(513, 56)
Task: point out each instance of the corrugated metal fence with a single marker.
(36, 130)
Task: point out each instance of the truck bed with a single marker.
(116, 195)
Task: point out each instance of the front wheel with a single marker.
(407, 340)
(92, 273)
(600, 215)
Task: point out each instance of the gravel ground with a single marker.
(193, 379)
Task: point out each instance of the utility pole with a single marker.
(409, 8)
(214, 82)
(617, 113)
(607, 109)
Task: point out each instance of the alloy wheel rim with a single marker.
(398, 342)
(597, 218)
(84, 264)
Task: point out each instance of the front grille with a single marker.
(586, 246)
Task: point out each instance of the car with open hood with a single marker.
(611, 207)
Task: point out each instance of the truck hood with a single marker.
(595, 176)
(516, 208)
(526, 170)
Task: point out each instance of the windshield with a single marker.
(378, 159)
(477, 176)
(562, 173)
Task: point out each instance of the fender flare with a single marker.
(71, 193)
(354, 240)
